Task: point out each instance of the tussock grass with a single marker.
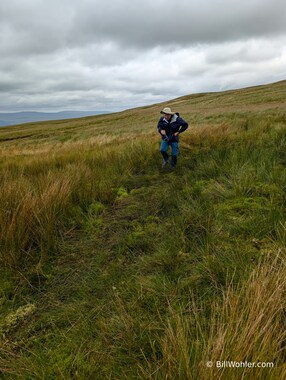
(245, 325)
(39, 196)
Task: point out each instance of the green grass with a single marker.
(112, 268)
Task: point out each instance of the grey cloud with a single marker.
(39, 27)
(249, 51)
(117, 54)
(178, 22)
(29, 27)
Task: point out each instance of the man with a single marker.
(170, 126)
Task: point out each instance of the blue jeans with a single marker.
(165, 147)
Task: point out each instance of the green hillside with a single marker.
(112, 268)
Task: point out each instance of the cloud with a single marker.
(41, 26)
(109, 54)
(155, 22)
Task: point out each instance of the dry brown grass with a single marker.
(246, 325)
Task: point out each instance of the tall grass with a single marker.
(145, 273)
(40, 197)
(246, 325)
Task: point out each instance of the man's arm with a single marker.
(161, 128)
(183, 125)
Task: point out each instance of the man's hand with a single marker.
(163, 132)
(166, 138)
(176, 134)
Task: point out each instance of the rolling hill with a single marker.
(112, 268)
(13, 118)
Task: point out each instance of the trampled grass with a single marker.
(112, 268)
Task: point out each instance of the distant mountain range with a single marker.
(7, 119)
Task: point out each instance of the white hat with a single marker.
(168, 111)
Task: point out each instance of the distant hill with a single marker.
(14, 118)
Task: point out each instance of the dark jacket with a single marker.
(175, 124)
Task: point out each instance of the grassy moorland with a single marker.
(114, 269)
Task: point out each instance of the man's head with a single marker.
(167, 112)
(167, 116)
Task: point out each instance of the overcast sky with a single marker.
(115, 54)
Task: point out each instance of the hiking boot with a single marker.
(165, 162)
(173, 162)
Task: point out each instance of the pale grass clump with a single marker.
(15, 317)
(17, 151)
(85, 144)
(29, 211)
(245, 325)
(249, 325)
(213, 134)
(16, 213)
